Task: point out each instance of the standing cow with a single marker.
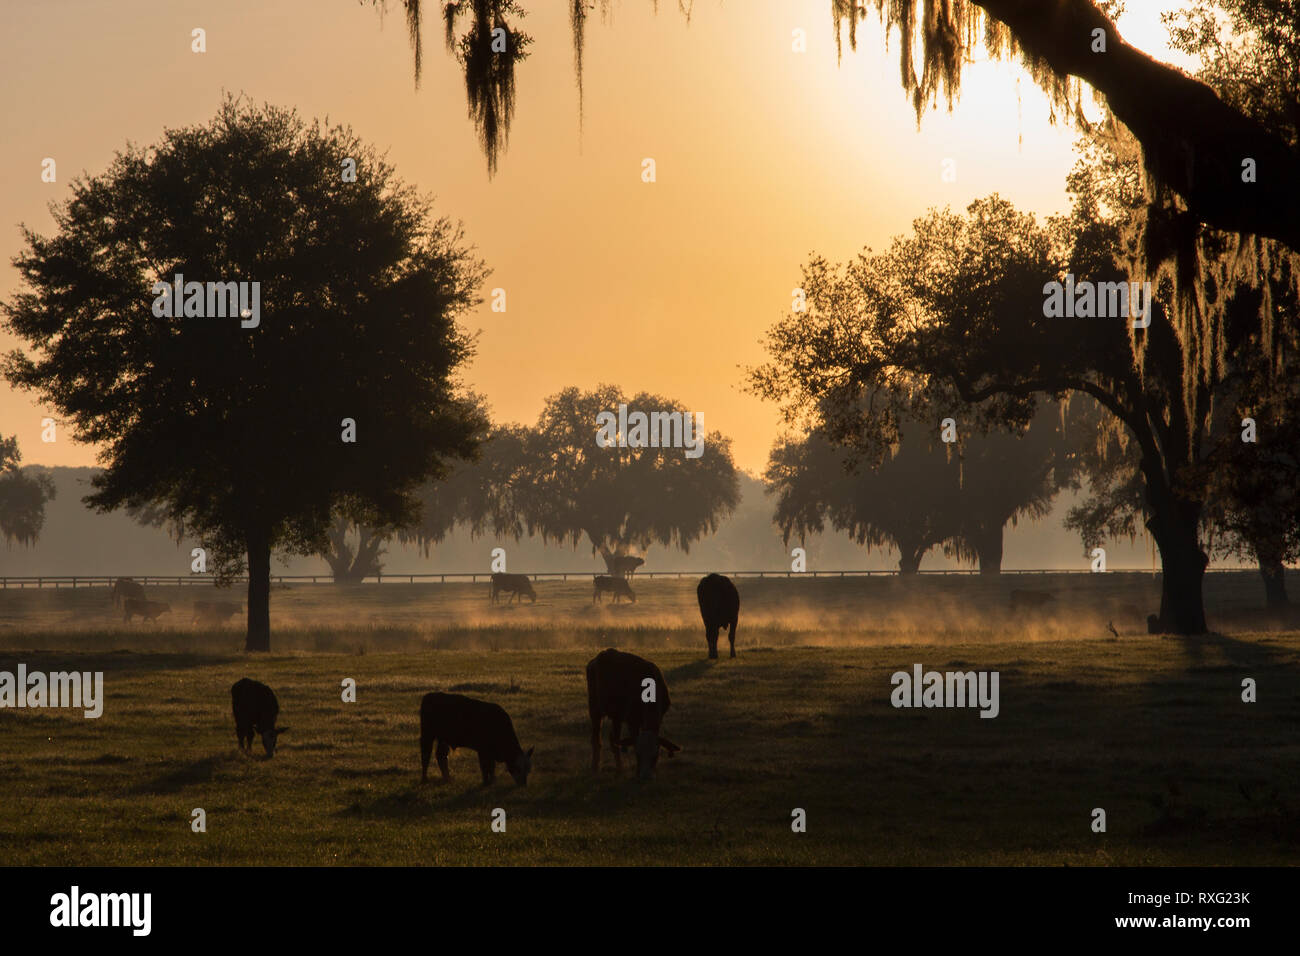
(256, 710)
(616, 586)
(513, 584)
(125, 588)
(457, 721)
(720, 607)
(628, 689)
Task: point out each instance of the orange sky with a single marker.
(763, 156)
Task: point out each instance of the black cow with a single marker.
(617, 586)
(720, 607)
(625, 565)
(214, 612)
(456, 721)
(256, 710)
(617, 689)
(149, 610)
(514, 584)
(125, 588)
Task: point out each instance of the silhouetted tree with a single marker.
(23, 494)
(961, 301)
(236, 432)
(619, 498)
(906, 498)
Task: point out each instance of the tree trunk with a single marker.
(259, 593)
(1183, 563)
(910, 554)
(987, 543)
(1274, 574)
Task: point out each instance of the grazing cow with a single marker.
(214, 612)
(1031, 599)
(515, 584)
(149, 610)
(616, 689)
(256, 710)
(617, 586)
(125, 588)
(720, 607)
(456, 721)
(625, 565)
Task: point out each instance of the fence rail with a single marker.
(473, 577)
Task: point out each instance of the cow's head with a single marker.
(269, 738)
(520, 766)
(648, 743)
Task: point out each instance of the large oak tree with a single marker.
(236, 433)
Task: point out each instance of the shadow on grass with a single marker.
(177, 779)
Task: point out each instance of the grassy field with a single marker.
(1151, 729)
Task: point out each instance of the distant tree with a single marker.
(236, 432)
(619, 498)
(921, 492)
(1008, 474)
(23, 495)
(906, 498)
(480, 496)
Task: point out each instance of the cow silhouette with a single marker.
(453, 720)
(256, 711)
(616, 586)
(139, 607)
(719, 607)
(513, 584)
(124, 588)
(618, 687)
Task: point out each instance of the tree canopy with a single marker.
(330, 383)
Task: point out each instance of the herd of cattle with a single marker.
(129, 595)
(622, 688)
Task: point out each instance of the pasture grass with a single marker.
(1152, 729)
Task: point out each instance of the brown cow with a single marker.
(214, 612)
(616, 586)
(149, 610)
(125, 588)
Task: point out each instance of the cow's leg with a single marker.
(614, 727)
(441, 754)
(595, 743)
(711, 635)
(731, 636)
(489, 768)
(426, 750)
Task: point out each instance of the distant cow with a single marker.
(456, 721)
(720, 607)
(617, 688)
(1031, 599)
(625, 565)
(149, 610)
(256, 710)
(214, 612)
(124, 588)
(514, 584)
(617, 586)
